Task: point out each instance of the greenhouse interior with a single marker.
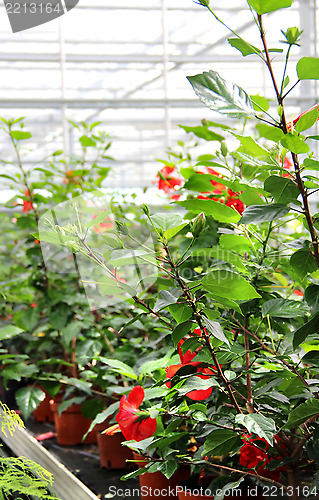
(159, 264)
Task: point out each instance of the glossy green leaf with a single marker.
(221, 442)
(265, 6)
(235, 242)
(204, 254)
(256, 214)
(308, 68)
(166, 221)
(203, 133)
(303, 262)
(264, 427)
(202, 183)
(216, 330)
(229, 285)
(9, 331)
(303, 412)
(311, 358)
(28, 399)
(309, 328)
(294, 143)
(165, 299)
(180, 331)
(244, 47)
(119, 367)
(260, 103)
(181, 312)
(217, 210)
(311, 164)
(284, 308)
(274, 134)
(312, 297)
(222, 96)
(195, 384)
(19, 135)
(250, 147)
(307, 120)
(282, 189)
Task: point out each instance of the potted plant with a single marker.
(237, 292)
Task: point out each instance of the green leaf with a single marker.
(274, 134)
(71, 330)
(180, 331)
(307, 120)
(87, 141)
(311, 164)
(260, 103)
(217, 210)
(9, 331)
(221, 255)
(300, 335)
(283, 308)
(221, 442)
(294, 143)
(282, 189)
(238, 244)
(170, 233)
(165, 299)
(221, 96)
(311, 358)
(264, 427)
(30, 318)
(221, 492)
(304, 411)
(244, 47)
(216, 330)
(197, 384)
(250, 147)
(100, 217)
(256, 214)
(19, 135)
(119, 367)
(265, 6)
(202, 183)
(168, 468)
(181, 312)
(303, 262)
(203, 133)
(166, 221)
(308, 68)
(28, 399)
(229, 285)
(312, 297)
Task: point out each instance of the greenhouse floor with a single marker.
(84, 463)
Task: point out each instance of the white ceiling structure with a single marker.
(125, 63)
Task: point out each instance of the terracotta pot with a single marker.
(112, 454)
(153, 483)
(44, 413)
(71, 426)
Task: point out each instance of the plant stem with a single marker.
(197, 314)
(250, 401)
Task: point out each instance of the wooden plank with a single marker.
(66, 485)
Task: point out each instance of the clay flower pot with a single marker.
(44, 413)
(112, 454)
(70, 425)
(155, 483)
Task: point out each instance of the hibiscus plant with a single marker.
(237, 290)
(231, 384)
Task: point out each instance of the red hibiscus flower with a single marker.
(287, 165)
(134, 424)
(27, 204)
(251, 456)
(201, 371)
(235, 203)
(167, 182)
(103, 226)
